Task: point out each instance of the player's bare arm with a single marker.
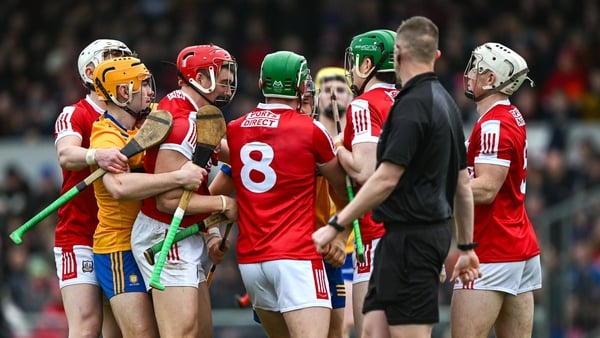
(72, 156)
(142, 185)
(222, 184)
(488, 181)
(169, 160)
(359, 163)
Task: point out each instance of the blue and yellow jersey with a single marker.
(115, 218)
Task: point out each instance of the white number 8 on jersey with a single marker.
(262, 166)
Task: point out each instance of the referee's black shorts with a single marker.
(405, 279)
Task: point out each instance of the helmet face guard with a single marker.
(283, 74)
(96, 52)
(109, 75)
(310, 95)
(210, 60)
(509, 68)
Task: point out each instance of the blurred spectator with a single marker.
(590, 102)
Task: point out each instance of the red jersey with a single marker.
(367, 113)
(502, 228)
(181, 139)
(274, 151)
(77, 219)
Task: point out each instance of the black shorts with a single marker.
(405, 278)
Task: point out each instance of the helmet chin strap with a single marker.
(138, 115)
(355, 90)
(491, 90)
(187, 82)
(469, 94)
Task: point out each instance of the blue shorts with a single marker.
(337, 289)
(348, 268)
(118, 273)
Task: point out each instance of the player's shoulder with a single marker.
(506, 113)
(83, 109)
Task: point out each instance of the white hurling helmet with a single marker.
(97, 52)
(508, 66)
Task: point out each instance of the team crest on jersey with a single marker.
(261, 118)
(134, 279)
(87, 266)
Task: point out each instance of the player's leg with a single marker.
(83, 308)
(360, 283)
(359, 291)
(176, 311)
(122, 282)
(133, 311)
(273, 323)
(411, 331)
(473, 312)
(347, 274)
(81, 294)
(204, 311)
(179, 276)
(376, 325)
(263, 297)
(110, 328)
(516, 316)
(515, 319)
(337, 291)
(303, 296)
(308, 322)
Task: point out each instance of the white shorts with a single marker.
(511, 277)
(362, 271)
(75, 266)
(286, 285)
(183, 265)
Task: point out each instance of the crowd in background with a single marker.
(560, 39)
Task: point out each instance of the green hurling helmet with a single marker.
(377, 44)
(283, 75)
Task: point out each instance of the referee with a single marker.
(421, 181)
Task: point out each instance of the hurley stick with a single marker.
(210, 129)
(153, 131)
(360, 249)
(185, 233)
(211, 273)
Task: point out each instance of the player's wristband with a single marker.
(226, 169)
(467, 247)
(333, 222)
(223, 204)
(90, 156)
(213, 233)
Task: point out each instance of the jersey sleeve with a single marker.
(496, 144)
(69, 124)
(362, 125)
(323, 144)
